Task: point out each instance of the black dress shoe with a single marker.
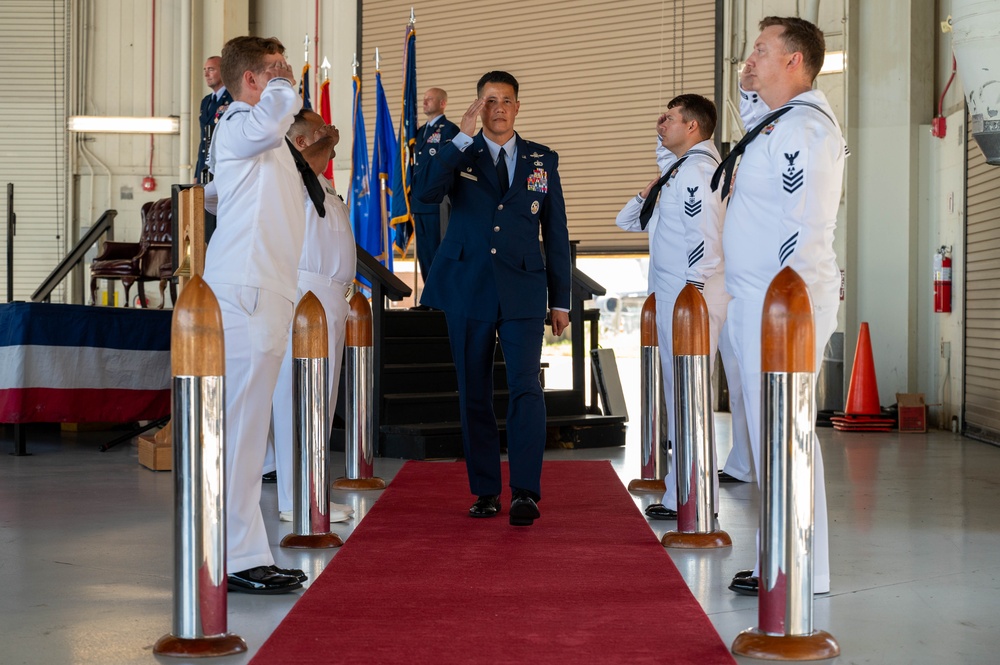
(300, 575)
(269, 477)
(523, 509)
(657, 511)
(487, 505)
(726, 478)
(744, 583)
(262, 579)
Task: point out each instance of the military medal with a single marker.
(534, 207)
(538, 181)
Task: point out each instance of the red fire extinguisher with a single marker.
(942, 280)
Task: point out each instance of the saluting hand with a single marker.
(659, 122)
(327, 131)
(278, 69)
(469, 120)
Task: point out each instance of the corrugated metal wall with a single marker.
(33, 139)
(982, 306)
(594, 75)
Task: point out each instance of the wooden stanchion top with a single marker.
(647, 322)
(310, 338)
(196, 341)
(359, 322)
(788, 336)
(691, 336)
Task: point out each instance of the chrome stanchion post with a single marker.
(694, 427)
(310, 429)
(198, 408)
(359, 447)
(788, 417)
(652, 462)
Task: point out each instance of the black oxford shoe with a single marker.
(744, 583)
(657, 511)
(269, 477)
(726, 478)
(298, 574)
(523, 509)
(263, 580)
(485, 506)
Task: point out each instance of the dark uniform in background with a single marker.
(430, 219)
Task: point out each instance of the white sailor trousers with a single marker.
(738, 463)
(744, 327)
(256, 324)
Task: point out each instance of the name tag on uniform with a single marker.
(538, 181)
(468, 175)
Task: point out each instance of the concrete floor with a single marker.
(86, 554)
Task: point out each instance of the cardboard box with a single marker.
(912, 412)
(158, 456)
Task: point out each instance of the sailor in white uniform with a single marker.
(738, 465)
(327, 268)
(250, 265)
(783, 212)
(686, 243)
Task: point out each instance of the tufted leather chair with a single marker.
(143, 261)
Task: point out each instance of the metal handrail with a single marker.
(75, 256)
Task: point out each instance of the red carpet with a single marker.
(420, 582)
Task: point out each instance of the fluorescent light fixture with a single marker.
(150, 125)
(833, 63)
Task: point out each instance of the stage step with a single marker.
(444, 439)
(402, 408)
(431, 377)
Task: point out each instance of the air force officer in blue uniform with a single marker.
(427, 218)
(492, 281)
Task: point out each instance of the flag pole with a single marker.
(383, 223)
(409, 155)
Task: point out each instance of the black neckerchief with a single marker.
(313, 186)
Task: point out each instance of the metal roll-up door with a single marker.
(32, 143)
(593, 78)
(982, 288)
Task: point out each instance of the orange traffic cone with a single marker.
(862, 396)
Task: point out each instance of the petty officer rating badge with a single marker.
(692, 206)
(792, 179)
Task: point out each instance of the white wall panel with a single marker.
(33, 140)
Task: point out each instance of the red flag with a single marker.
(324, 111)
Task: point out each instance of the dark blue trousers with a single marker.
(427, 228)
(473, 345)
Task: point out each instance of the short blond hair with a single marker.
(242, 54)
